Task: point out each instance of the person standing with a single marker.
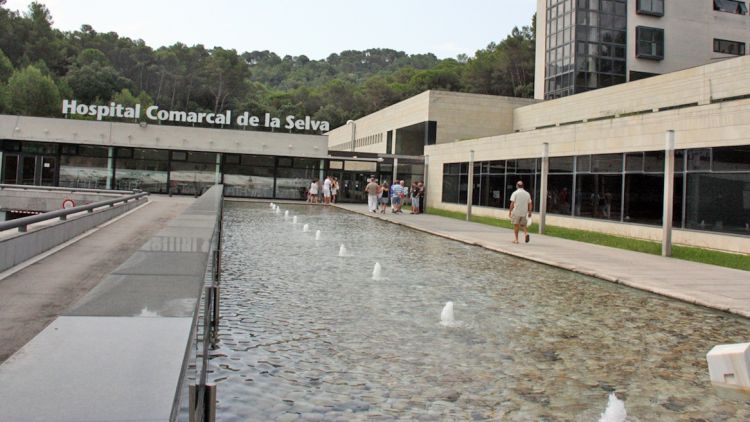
(414, 193)
(520, 210)
(314, 191)
(372, 196)
(327, 191)
(397, 192)
(420, 185)
(334, 189)
(383, 197)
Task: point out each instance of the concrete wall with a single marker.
(690, 27)
(458, 116)
(699, 85)
(163, 137)
(41, 200)
(719, 124)
(17, 249)
(463, 116)
(126, 344)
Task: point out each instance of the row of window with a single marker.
(621, 187)
(730, 6)
(650, 44)
(368, 140)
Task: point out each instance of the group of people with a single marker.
(328, 190)
(380, 195)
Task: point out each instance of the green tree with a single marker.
(92, 78)
(6, 67)
(4, 98)
(33, 94)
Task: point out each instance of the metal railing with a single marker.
(205, 394)
(66, 189)
(205, 336)
(23, 223)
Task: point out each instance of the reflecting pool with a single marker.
(307, 334)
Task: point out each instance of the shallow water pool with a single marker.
(309, 335)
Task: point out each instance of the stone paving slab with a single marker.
(712, 286)
(95, 363)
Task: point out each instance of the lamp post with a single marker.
(543, 190)
(470, 186)
(666, 239)
(353, 124)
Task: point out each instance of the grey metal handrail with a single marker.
(64, 189)
(22, 223)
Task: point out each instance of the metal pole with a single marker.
(423, 209)
(666, 240)
(543, 193)
(470, 187)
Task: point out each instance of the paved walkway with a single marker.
(708, 285)
(34, 296)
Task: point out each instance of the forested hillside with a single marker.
(40, 65)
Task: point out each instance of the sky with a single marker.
(316, 29)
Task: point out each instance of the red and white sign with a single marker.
(68, 203)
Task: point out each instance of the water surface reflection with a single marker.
(309, 335)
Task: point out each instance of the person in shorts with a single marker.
(520, 210)
(383, 197)
(397, 192)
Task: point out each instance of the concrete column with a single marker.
(395, 169)
(354, 132)
(217, 178)
(470, 186)
(543, 190)
(110, 167)
(666, 240)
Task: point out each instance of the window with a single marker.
(731, 6)
(729, 47)
(650, 43)
(650, 7)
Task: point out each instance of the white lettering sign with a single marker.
(156, 114)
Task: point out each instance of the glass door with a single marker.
(28, 170)
(10, 169)
(48, 170)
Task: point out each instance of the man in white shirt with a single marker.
(327, 191)
(520, 209)
(372, 195)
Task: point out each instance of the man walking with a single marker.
(372, 195)
(520, 209)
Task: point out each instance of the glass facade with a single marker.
(83, 166)
(493, 182)
(192, 172)
(711, 186)
(585, 45)
(248, 176)
(141, 168)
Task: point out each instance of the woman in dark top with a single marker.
(383, 197)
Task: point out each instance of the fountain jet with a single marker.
(306, 228)
(446, 316)
(615, 411)
(377, 272)
(317, 235)
(294, 220)
(286, 214)
(342, 250)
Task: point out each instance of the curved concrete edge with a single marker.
(122, 352)
(24, 246)
(631, 284)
